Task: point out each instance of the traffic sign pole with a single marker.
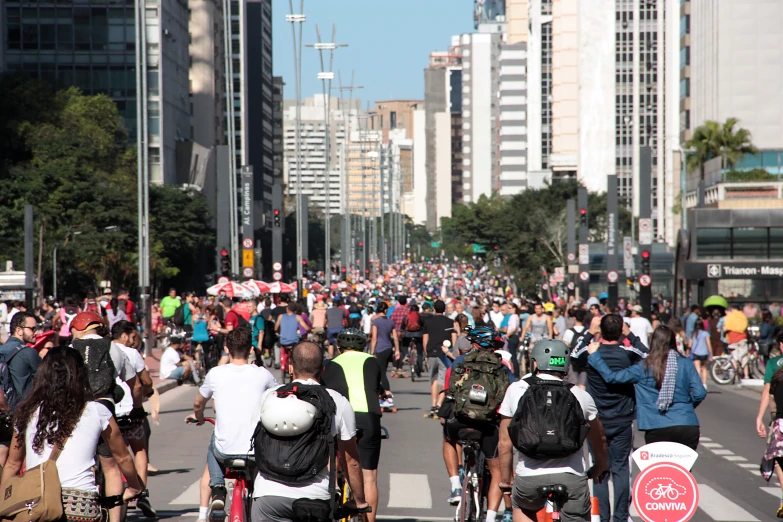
(584, 249)
(645, 224)
(612, 219)
(571, 242)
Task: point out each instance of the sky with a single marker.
(389, 43)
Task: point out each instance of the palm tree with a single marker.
(712, 139)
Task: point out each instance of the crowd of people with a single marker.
(495, 361)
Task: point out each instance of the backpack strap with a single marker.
(14, 353)
(55, 454)
(332, 474)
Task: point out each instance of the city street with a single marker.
(412, 480)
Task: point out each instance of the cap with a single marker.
(84, 320)
(638, 309)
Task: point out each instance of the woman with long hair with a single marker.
(384, 343)
(59, 412)
(668, 389)
(700, 350)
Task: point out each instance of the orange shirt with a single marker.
(735, 337)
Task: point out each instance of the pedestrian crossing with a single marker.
(410, 497)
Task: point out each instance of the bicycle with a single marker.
(285, 353)
(417, 363)
(724, 370)
(472, 505)
(240, 476)
(344, 494)
(558, 495)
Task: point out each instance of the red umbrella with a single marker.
(262, 287)
(316, 287)
(282, 288)
(232, 289)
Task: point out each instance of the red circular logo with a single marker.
(665, 492)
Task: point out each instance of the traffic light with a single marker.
(277, 217)
(304, 262)
(225, 263)
(645, 261)
(361, 244)
(582, 217)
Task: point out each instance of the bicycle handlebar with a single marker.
(192, 420)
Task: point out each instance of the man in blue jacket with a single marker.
(616, 405)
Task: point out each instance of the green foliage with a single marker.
(69, 158)
(529, 229)
(713, 139)
(750, 175)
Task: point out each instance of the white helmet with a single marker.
(287, 416)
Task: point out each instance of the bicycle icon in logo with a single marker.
(670, 491)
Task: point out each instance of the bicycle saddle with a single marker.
(240, 463)
(469, 435)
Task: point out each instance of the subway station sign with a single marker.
(733, 270)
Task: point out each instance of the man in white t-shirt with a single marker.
(176, 365)
(272, 500)
(129, 411)
(550, 362)
(235, 388)
(639, 325)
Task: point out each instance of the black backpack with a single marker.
(100, 368)
(549, 422)
(12, 397)
(297, 460)
(244, 324)
(179, 315)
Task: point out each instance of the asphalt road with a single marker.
(412, 479)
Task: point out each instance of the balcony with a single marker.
(755, 182)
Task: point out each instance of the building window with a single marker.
(750, 243)
(392, 120)
(713, 243)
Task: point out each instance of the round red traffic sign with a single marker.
(584, 276)
(277, 276)
(571, 257)
(247, 272)
(665, 492)
(612, 276)
(223, 280)
(645, 280)
(277, 266)
(544, 286)
(570, 286)
(247, 242)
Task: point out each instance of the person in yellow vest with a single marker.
(357, 376)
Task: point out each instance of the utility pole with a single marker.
(612, 220)
(645, 228)
(326, 78)
(584, 247)
(233, 207)
(296, 20)
(573, 268)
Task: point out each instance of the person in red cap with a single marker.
(91, 339)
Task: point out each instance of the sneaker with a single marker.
(144, 505)
(456, 495)
(384, 403)
(780, 510)
(508, 516)
(218, 501)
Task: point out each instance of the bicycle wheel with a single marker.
(722, 371)
(467, 509)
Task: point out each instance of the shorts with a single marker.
(369, 443)
(279, 509)
(131, 430)
(177, 372)
(331, 334)
(739, 350)
(437, 370)
(525, 495)
(701, 358)
(490, 435)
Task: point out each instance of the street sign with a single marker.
(277, 276)
(584, 254)
(645, 280)
(222, 280)
(656, 452)
(248, 258)
(559, 274)
(584, 276)
(544, 286)
(645, 231)
(571, 257)
(665, 492)
(247, 272)
(570, 285)
(628, 254)
(247, 242)
(277, 266)
(573, 269)
(612, 276)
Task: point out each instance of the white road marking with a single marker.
(711, 445)
(722, 452)
(747, 465)
(409, 490)
(775, 492)
(189, 497)
(705, 439)
(721, 509)
(735, 458)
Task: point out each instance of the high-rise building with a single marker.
(415, 202)
(394, 114)
(315, 166)
(93, 47)
(250, 90)
(277, 128)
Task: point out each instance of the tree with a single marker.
(69, 158)
(712, 139)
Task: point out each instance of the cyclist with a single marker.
(550, 361)
(412, 334)
(356, 375)
(277, 500)
(235, 419)
(539, 326)
(287, 327)
(486, 340)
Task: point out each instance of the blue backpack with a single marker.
(256, 328)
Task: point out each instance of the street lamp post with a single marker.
(297, 20)
(326, 78)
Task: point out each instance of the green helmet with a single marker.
(551, 355)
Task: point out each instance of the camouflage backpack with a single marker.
(478, 385)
